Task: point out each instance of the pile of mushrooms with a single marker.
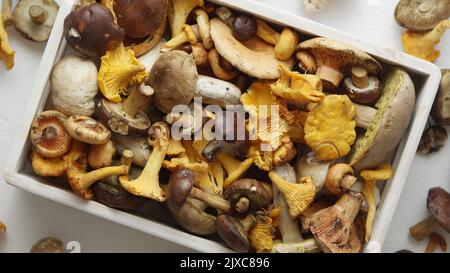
(303, 185)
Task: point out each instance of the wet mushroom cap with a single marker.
(180, 185)
(251, 189)
(232, 232)
(140, 18)
(438, 204)
(34, 18)
(48, 135)
(421, 15)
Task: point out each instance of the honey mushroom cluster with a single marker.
(304, 183)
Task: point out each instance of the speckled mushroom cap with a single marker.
(34, 18)
(254, 57)
(421, 15)
(438, 203)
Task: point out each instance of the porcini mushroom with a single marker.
(91, 30)
(309, 165)
(140, 18)
(34, 18)
(129, 117)
(389, 123)
(101, 155)
(87, 130)
(174, 77)
(284, 42)
(362, 88)
(147, 184)
(74, 85)
(235, 232)
(335, 59)
(441, 107)
(254, 57)
(422, 44)
(48, 135)
(340, 179)
(333, 227)
(298, 196)
(438, 204)
(421, 15)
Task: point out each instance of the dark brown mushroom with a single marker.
(247, 194)
(48, 245)
(91, 30)
(243, 25)
(141, 18)
(362, 88)
(421, 15)
(432, 140)
(438, 204)
(235, 232)
(441, 107)
(48, 135)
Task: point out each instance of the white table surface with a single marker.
(29, 218)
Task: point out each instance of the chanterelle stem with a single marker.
(6, 11)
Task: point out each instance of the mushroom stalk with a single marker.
(202, 20)
(248, 222)
(8, 19)
(424, 228)
(212, 200)
(364, 115)
(189, 34)
(306, 246)
(37, 14)
(137, 100)
(235, 168)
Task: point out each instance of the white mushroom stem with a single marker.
(8, 19)
(306, 246)
(217, 92)
(289, 228)
(242, 205)
(364, 115)
(37, 14)
(137, 100)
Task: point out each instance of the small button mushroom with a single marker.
(340, 179)
(173, 77)
(306, 61)
(235, 232)
(432, 140)
(333, 227)
(128, 118)
(87, 130)
(48, 245)
(101, 155)
(221, 68)
(133, 16)
(438, 204)
(74, 86)
(48, 135)
(34, 18)
(247, 194)
(362, 88)
(441, 107)
(309, 165)
(91, 30)
(335, 59)
(421, 15)
(244, 27)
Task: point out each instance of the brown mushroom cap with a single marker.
(140, 18)
(234, 232)
(48, 245)
(441, 107)
(48, 135)
(338, 58)
(395, 109)
(173, 77)
(248, 188)
(366, 95)
(91, 30)
(179, 188)
(87, 129)
(254, 57)
(34, 18)
(438, 203)
(421, 15)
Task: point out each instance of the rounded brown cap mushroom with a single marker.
(235, 232)
(362, 88)
(441, 107)
(34, 18)
(253, 57)
(91, 30)
(335, 59)
(48, 245)
(48, 135)
(140, 18)
(421, 15)
(438, 204)
(87, 129)
(247, 194)
(177, 193)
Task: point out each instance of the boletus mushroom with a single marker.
(441, 107)
(48, 135)
(421, 15)
(48, 245)
(438, 204)
(140, 18)
(335, 59)
(235, 232)
(91, 30)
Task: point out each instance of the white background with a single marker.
(29, 218)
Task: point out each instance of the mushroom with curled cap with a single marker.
(235, 232)
(91, 30)
(34, 18)
(335, 59)
(441, 107)
(333, 227)
(253, 57)
(422, 44)
(421, 15)
(147, 184)
(387, 124)
(48, 135)
(87, 129)
(438, 205)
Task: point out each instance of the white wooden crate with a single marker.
(425, 75)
